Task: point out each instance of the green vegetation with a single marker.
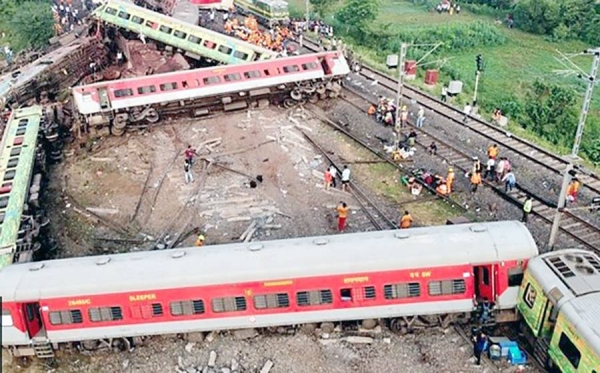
(26, 24)
(520, 67)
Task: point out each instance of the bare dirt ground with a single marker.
(290, 202)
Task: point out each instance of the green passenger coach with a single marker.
(559, 300)
(196, 41)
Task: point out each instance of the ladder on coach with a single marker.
(43, 349)
(540, 350)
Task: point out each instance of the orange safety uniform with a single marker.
(328, 178)
(449, 181)
(405, 221)
(476, 178)
(342, 215)
(493, 152)
(442, 189)
(573, 188)
(372, 110)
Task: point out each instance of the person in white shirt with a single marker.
(333, 172)
(467, 112)
(345, 178)
(490, 170)
(420, 117)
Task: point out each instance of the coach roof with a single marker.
(270, 260)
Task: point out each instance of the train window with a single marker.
(157, 309)
(252, 74)
(123, 15)
(30, 311)
(266, 72)
(15, 151)
(225, 50)
(447, 287)
(123, 92)
(194, 39)
(3, 202)
(515, 276)
(98, 314)
(485, 272)
(2, 216)
(264, 301)
(209, 44)
(6, 318)
(21, 131)
(211, 80)
(310, 66)
(291, 69)
(187, 307)
(369, 292)
(346, 295)
(529, 295)
(233, 77)
(65, 317)
(23, 122)
(168, 86)
(185, 84)
(229, 304)
(314, 298)
(165, 29)
(136, 19)
(568, 348)
(13, 162)
(9, 175)
(111, 11)
(179, 34)
(150, 24)
(240, 55)
(146, 89)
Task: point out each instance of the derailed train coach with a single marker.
(401, 278)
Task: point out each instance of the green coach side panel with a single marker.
(190, 38)
(16, 166)
(570, 352)
(531, 302)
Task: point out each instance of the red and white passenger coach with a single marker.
(310, 76)
(433, 273)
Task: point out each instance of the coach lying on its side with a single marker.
(405, 277)
(310, 76)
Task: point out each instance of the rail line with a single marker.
(521, 147)
(575, 227)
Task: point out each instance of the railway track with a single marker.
(523, 148)
(575, 227)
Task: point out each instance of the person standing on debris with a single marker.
(327, 179)
(449, 180)
(573, 190)
(342, 211)
(527, 207)
(475, 181)
(476, 165)
(200, 241)
(405, 221)
(345, 178)
(333, 172)
(420, 117)
(509, 182)
(189, 155)
(480, 346)
(187, 168)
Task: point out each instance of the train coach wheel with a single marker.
(320, 88)
(327, 327)
(90, 345)
(117, 131)
(308, 328)
(120, 121)
(296, 95)
(313, 99)
(288, 103)
(369, 324)
(152, 116)
(333, 94)
(398, 326)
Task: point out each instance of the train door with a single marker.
(325, 66)
(484, 282)
(33, 320)
(104, 99)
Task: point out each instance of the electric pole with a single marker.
(479, 61)
(591, 78)
(401, 75)
(307, 14)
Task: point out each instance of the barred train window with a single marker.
(264, 301)
(447, 287)
(225, 50)
(65, 317)
(194, 39)
(187, 307)
(211, 80)
(229, 304)
(111, 11)
(147, 89)
(98, 314)
(123, 92)
(179, 34)
(136, 19)
(157, 309)
(252, 74)
(309, 66)
(165, 29)
(233, 77)
(404, 290)
(314, 297)
(291, 69)
(240, 55)
(123, 15)
(168, 86)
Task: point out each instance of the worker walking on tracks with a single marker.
(327, 179)
(510, 181)
(405, 221)
(420, 117)
(490, 169)
(492, 151)
(475, 181)
(187, 169)
(449, 180)
(342, 211)
(189, 154)
(527, 207)
(333, 172)
(573, 190)
(345, 178)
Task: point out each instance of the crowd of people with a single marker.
(66, 16)
(276, 38)
(447, 6)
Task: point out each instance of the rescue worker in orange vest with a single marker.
(492, 151)
(572, 190)
(442, 189)
(406, 220)
(342, 211)
(475, 181)
(200, 241)
(449, 180)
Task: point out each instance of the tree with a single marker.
(320, 6)
(356, 15)
(31, 25)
